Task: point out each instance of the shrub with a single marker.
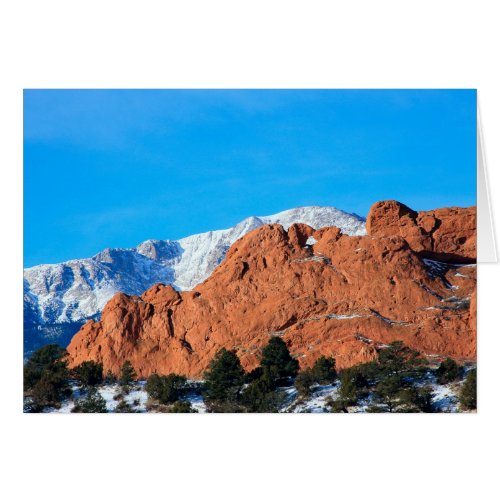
(448, 371)
(388, 391)
(468, 393)
(303, 382)
(110, 378)
(181, 407)
(260, 396)
(124, 407)
(46, 377)
(277, 358)
(47, 358)
(166, 389)
(400, 359)
(92, 403)
(323, 371)
(89, 373)
(224, 380)
(415, 399)
(349, 391)
(127, 374)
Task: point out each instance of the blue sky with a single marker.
(111, 168)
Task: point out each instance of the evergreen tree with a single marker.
(224, 381)
(181, 407)
(46, 377)
(166, 389)
(110, 378)
(350, 390)
(468, 393)
(398, 359)
(89, 373)
(323, 371)
(388, 391)
(277, 358)
(124, 407)
(47, 358)
(448, 371)
(92, 403)
(260, 395)
(415, 399)
(127, 374)
(303, 382)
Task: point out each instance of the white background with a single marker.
(244, 44)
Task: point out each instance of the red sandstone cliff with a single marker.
(342, 296)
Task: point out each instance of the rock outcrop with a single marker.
(323, 292)
(447, 234)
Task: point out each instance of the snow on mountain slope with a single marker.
(76, 290)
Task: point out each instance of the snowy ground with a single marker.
(445, 398)
(137, 399)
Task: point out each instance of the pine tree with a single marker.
(166, 388)
(181, 407)
(46, 377)
(110, 378)
(349, 391)
(260, 395)
(398, 359)
(89, 373)
(47, 358)
(303, 382)
(448, 371)
(277, 358)
(224, 379)
(468, 393)
(127, 374)
(323, 370)
(92, 403)
(388, 391)
(124, 407)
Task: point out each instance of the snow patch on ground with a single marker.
(137, 398)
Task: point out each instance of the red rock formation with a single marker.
(344, 296)
(448, 234)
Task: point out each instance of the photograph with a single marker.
(249, 251)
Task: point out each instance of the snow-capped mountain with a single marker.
(57, 295)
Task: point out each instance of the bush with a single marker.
(47, 358)
(127, 374)
(277, 358)
(224, 381)
(448, 371)
(350, 390)
(415, 399)
(110, 378)
(388, 391)
(124, 407)
(166, 389)
(89, 373)
(400, 359)
(468, 393)
(181, 407)
(303, 382)
(92, 403)
(260, 396)
(323, 370)
(46, 377)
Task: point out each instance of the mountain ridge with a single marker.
(322, 291)
(69, 293)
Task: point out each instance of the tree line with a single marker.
(397, 381)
